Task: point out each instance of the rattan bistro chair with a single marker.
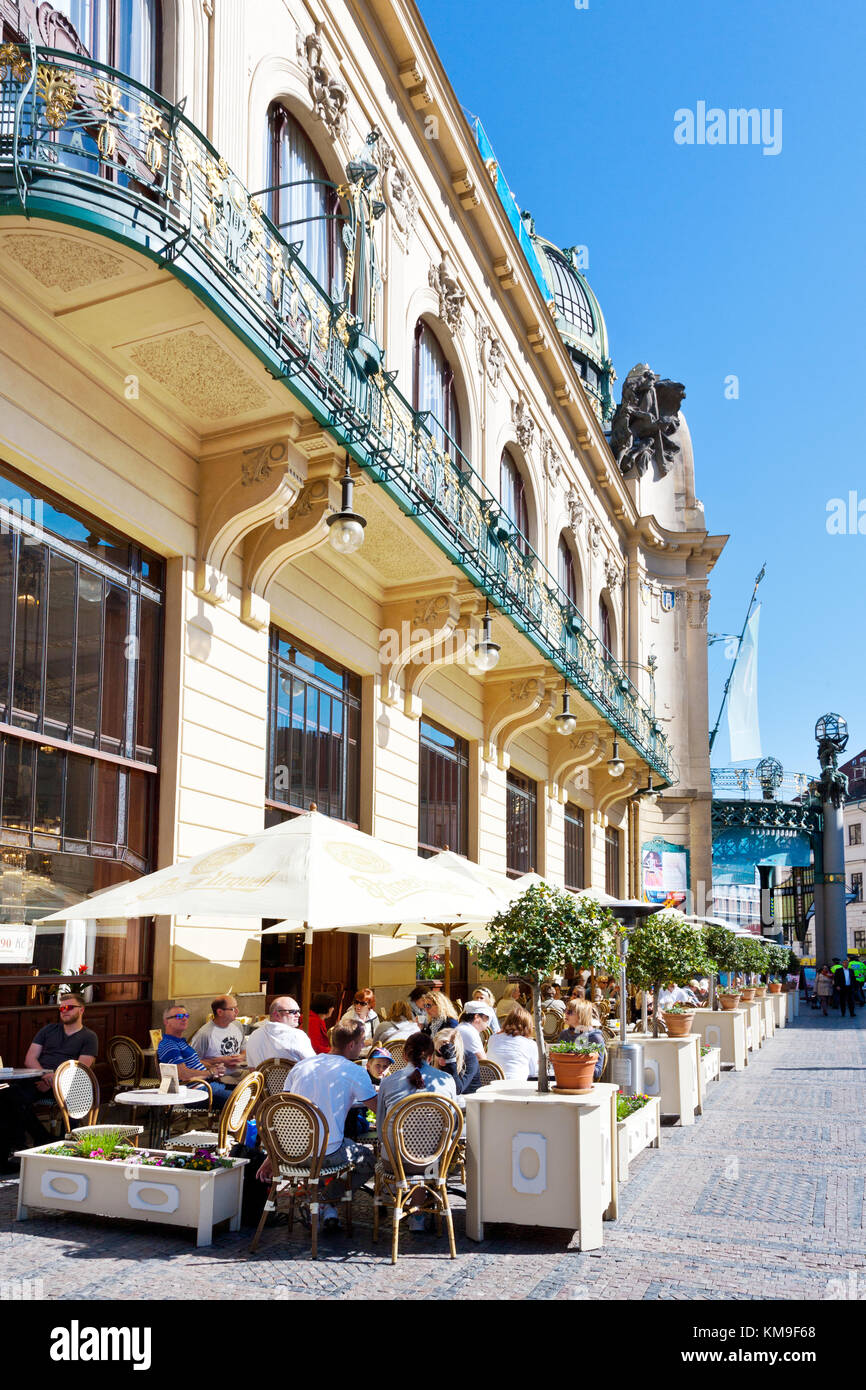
(274, 1073)
(233, 1120)
(396, 1047)
(76, 1091)
(127, 1060)
(489, 1071)
(419, 1139)
(295, 1135)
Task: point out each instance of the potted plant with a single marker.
(724, 948)
(678, 1020)
(665, 948)
(537, 934)
(573, 1065)
(778, 966)
(753, 958)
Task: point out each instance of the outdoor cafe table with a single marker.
(19, 1073)
(160, 1104)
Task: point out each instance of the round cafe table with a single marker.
(20, 1074)
(159, 1104)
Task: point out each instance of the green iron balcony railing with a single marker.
(82, 143)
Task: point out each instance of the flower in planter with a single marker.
(575, 1049)
(705, 1051)
(629, 1105)
(678, 1009)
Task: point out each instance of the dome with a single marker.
(577, 314)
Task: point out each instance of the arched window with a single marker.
(433, 389)
(125, 34)
(512, 497)
(567, 572)
(605, 628)
(303, 202)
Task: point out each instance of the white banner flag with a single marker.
(743, 728)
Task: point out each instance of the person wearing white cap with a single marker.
(474, 1020)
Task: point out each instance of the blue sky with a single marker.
(713, 260)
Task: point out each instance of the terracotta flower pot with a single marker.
(760, 991)
(747, 995)
(678, 1025)
(573, 1070)
(729, 1001)
(774, 987)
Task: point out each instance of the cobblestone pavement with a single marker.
(762, 1199)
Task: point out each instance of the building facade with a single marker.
(855, 849)
(244, 250)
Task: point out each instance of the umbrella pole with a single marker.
(306, 989)
(448, 964)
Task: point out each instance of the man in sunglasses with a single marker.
(53, 1044)
(176, 1051)
(280, 1036)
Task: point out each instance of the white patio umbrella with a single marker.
(316, 872)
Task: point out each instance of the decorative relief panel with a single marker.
(194, 368)
(328, 94)
(64, 263)
(451, 297)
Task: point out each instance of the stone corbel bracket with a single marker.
(620, 790)
(292, 532)
(427, 632)
(584, 749)
(239, 491)
(524, 703)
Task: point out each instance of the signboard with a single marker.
(664, 873)
(17, 942)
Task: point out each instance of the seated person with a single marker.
(451, 1056)
(676, 994)
(280, 1036)
(363, 1010)
(580, 1027)
(65, 1040)
(510, 997)
(419, 1074)
(515, 1048)
(221, 1039)
(439, 1012)
(549, 1001)
(399, 1024)
(176, 1051)
(321, 1006)
(485, 996)
(334, 1083)
(474, 1020)
(416, 1006)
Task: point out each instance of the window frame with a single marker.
(278, 119)
(516, 486)
(520, 790)
(451, 423)
(613, 862)
(459, 760)
(575, 853)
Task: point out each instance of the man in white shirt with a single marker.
(677, 994)
(280, 1036)
(474, 1020)
(221, 1038)
(334, 1082)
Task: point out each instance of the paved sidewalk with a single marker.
(762, 1199)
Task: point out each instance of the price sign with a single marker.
(17, 943)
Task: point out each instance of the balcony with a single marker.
(83, 144)
(762, 798)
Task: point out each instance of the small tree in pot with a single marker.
(665, 949)
(753, 956)
(541, 930)
(778, 957)
(724, 949)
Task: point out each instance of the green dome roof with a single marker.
(577, 314)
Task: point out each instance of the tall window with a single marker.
(314, 718)
(575, 840)
(605, 627)
(303, 203)
(566, 572)
(611, 861)
(443, 792)
(433, 389)
(854, 833)
(80, 670)
(857, 886)
(512, 497)
(125, 34)
(521, 825)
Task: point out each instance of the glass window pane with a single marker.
(105, 804)
(147, 679)
(87, 655)
(76, 821)
(49, 791)
(17, 784)
(61, 638)
(115, 672)
(29, 628)
(7, 604)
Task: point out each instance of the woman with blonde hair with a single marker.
(510, 997)
(452, 1057)
(580, 1026)
(515, 1048)
(439, 1011)
(399, 1023)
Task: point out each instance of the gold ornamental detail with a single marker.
(13, 63)
(58, 91)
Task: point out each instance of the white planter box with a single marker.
(541, 1160)
(671, 1073)
(133, 1191)
(768, 1014)
(780, 1009)
(636, 1133)
(754, 1020)
(725, 1029)
(711, 1066)
(792, 1003)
